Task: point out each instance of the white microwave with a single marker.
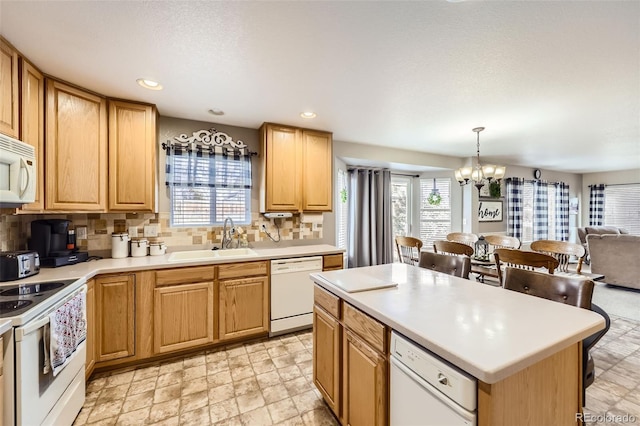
(17, 172)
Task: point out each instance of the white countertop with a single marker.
(86, 270)
(487, 331)
(5, 325)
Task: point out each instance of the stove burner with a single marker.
(31, 289)
(12, 305)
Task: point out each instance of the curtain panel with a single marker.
(562, 211)
(596, 204)
(540, 210)
(515, 205)
(369, 224)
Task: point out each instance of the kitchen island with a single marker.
(525, 351)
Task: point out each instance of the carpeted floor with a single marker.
(620, 301)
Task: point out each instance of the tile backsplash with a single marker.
(15, 230)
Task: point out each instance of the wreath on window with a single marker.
(434, 198)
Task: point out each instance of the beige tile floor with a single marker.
(260, 383)
(270, 382)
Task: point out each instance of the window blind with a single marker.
(435, 221)
(341, 211)
(622, 207)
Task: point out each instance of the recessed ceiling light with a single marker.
(149, 84)
(216, 111)
(308, 114)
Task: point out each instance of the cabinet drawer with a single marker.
(366, 327)
(327, 300)
(185, 275)
(332, 261)
(246, 269)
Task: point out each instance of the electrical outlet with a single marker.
(263, 228)
(150, 231)
(133, 231)
(314, 226)
(81, 232)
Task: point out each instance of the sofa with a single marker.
(616, 257)
(598, 230)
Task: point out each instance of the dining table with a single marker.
(487, 268)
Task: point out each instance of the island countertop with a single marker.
(487, 331)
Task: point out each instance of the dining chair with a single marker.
(562, 251)
(458, 266)
(408, 249)
(528, 260)
(576, 291)
(502, 241)
(452, 248)
(463, 237)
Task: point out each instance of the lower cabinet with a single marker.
(115, 317)
(350, 361)
(244, 307)
(326, 357)
(183, 316)
(91, 329)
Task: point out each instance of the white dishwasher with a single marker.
(427, 391)
(292, 293)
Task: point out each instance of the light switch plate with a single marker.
(133, 231)
(150, 231)
(81, 232)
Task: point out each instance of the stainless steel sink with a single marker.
(25, 289)
(180, 256)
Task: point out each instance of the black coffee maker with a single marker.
(54, 243)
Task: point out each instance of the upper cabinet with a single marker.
(9, 90)
(32, 123)
(76, 149)
(296, 169)
(132, 156)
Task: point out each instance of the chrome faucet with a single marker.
(227, 236)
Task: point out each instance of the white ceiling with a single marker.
(556, 84)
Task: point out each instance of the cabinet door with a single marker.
(91, 329)
(364, 383)
(183, 316)
(244, 307)
(326, 357)
(8, 89)
(32, 123)
(317, 179)
(115, 322)
(132, 156)
(281, 156)
(76, 149)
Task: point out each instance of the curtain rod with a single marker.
(403, 174)
(615, 184)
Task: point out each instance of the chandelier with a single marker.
(479, 173)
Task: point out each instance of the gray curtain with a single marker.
(370, 239)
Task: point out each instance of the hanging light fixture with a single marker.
(479, 173)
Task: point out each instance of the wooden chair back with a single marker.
(408, 249)
(452, 248)
(458, 266)
(502, 241)
(463, 237)
(529, 260)
(562, 251)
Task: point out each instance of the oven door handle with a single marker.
(31, 327)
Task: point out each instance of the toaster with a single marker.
(18, 264)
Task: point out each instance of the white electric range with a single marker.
(31, 396)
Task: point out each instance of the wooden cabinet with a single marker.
(331, 262)
(132, 156)
(244, 307)
(297, 169)
(184, 308)
(32, 123)
(115, 317)
(91, 329)
(350, 360)
(76, 149)
(364, 383)
(9, 104)
(326, 357)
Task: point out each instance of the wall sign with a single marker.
(489, 211)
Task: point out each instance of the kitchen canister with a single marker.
(119, 245)
(139, 247)
(157, 248)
